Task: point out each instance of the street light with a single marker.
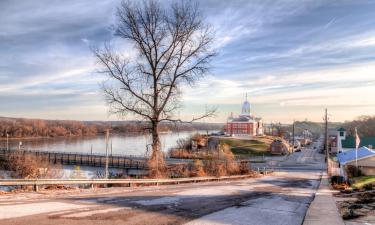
(106, 153)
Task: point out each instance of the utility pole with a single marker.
(7, 142)
(111, 148)
(106, 153)
(293, 137)
(326, 134)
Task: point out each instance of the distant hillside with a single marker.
(314, 127)
(21, 128)
(365, 126)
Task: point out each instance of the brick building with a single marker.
(244, 124)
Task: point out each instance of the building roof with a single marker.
(349, 142)
(349, 156)
(341, 129)
(241, 119)
(332, 132)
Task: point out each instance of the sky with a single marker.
(293, 58)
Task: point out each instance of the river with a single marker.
(118, 144)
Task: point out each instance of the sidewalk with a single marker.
(323, 210)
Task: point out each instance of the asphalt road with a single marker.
(282, 198)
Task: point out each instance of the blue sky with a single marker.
(292, 57)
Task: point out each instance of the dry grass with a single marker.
(343, 186)
(198, 169)
(209, 162)
(157, 165)
(221, 163)
(182, 154)
(32, 166)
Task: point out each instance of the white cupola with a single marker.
(245, 108)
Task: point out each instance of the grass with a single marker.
(359, 182)
(257, 147)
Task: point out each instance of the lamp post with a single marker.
(106, 153)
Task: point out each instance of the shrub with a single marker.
(231, 165)
(198, 169)
(353, 171)
(368, 187)
(31, 166)
(365, 198)
(179, 170)
(337, 180)
(244, 168)
(219, 162)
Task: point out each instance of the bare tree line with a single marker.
(25, 128)
(364, 124)
(18, 128)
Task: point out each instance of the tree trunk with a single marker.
(157, 166)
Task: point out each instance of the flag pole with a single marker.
(357, 141)
(356, 158)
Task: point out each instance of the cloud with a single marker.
(291, 56)
(349, 86)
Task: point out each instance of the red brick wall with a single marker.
(239, 128)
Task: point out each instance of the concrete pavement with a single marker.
(323, 209)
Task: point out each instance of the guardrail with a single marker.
(39, 182)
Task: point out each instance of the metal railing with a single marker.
(129, 182)
(122, 162)
(88, 159)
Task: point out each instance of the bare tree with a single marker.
(173, 48)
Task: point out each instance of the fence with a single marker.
(333, 168)
(97, 160)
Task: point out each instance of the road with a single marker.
(281, 198)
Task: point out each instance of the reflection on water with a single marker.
(121, 144)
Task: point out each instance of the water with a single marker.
(121, 144)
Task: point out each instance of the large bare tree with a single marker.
(173, 48)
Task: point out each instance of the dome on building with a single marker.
(245, 108)
(244, 124)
